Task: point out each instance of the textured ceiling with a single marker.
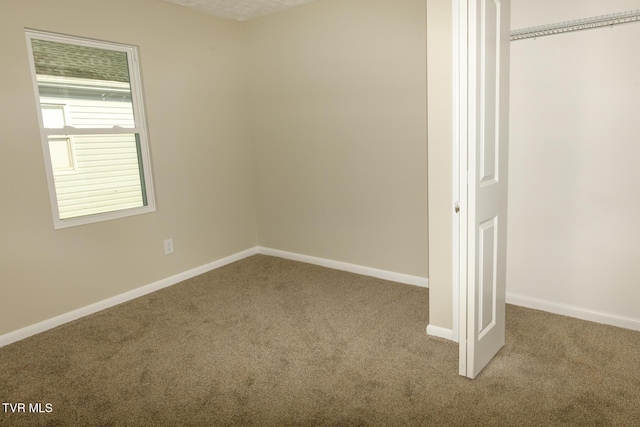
(240, 10)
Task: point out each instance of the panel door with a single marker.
(487, 170)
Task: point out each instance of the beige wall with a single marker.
(440, 96)
(338, 128)
(193, 71)
(331, 95)
(574, 176)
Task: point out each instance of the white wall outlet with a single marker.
(168, 246)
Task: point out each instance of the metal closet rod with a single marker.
(577, 25)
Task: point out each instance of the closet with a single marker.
(574, 162)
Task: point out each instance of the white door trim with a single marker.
(455, 216)
(460, 178)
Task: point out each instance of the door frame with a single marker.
(460, 178)
(459, 57)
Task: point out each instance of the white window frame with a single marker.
(139, 129)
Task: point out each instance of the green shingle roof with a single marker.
(68, 60)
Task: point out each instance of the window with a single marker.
(92, 125)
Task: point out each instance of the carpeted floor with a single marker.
(272, 342)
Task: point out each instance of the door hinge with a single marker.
(457, 207)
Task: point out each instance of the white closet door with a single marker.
(487, 133)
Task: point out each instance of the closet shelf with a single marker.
(577, 25)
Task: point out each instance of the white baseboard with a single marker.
(574, 311)
(45, 325)
(437, 331)
(351, 268)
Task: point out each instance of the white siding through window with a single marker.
(107, 166)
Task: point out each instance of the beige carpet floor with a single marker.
(272, 342)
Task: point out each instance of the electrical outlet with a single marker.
(168, 246)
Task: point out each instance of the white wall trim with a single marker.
(437, 331)
(351, 268)
(45, 325)
(574, 311)
(455, 167)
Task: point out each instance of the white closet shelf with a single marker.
(577, 25)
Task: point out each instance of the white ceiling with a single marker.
(239, 10)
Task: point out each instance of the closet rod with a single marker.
(577, 25)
